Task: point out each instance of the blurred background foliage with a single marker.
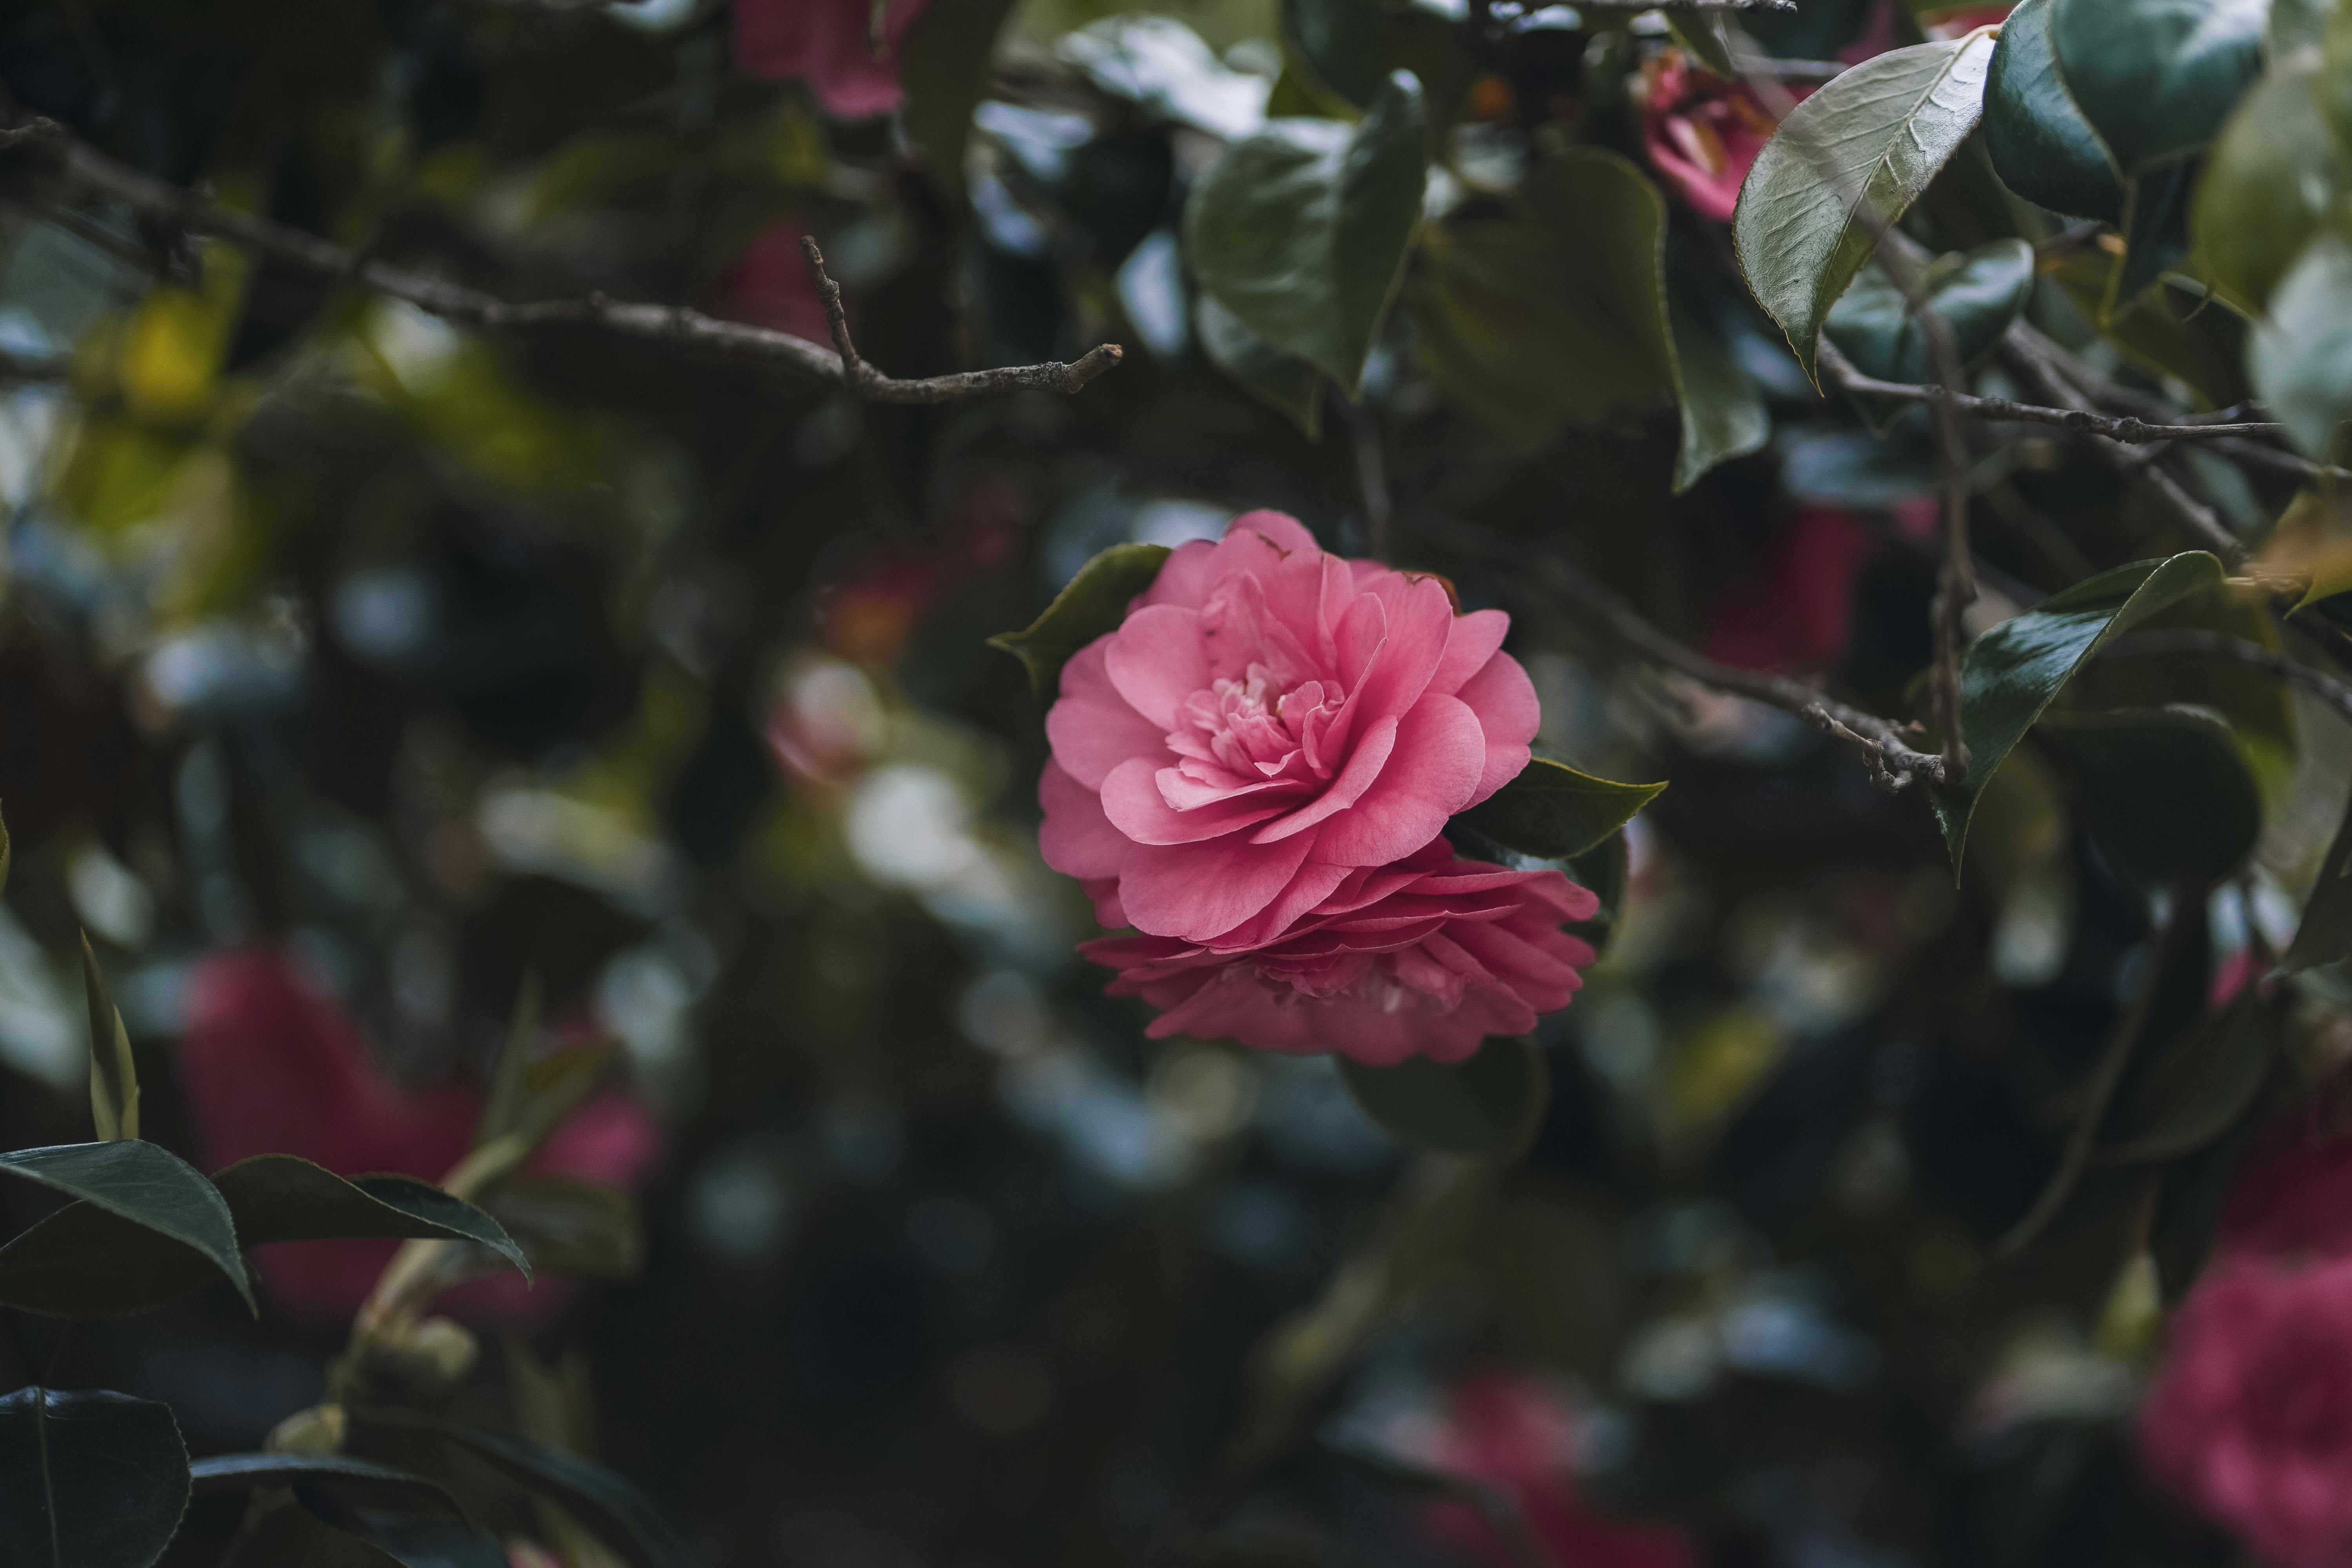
(355, 666)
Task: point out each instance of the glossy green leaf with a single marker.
(1346, 50)
(571, 1224)
(2268, 186)
(1848, 161)
(2155, 78)
(88, 1479)
(1604, 868)
(1281, 381)
(1491, 1103)
(114, 1076)
(2009, 675)
(2205, 1079)
(1090, 605)
(1976, 293)
(2168, 793)
(1300, 230)
(944, 70)
(1554, 812)
(2324, 936)
(363, 1480)
(2041, 146)
(2300, 358)
(2156, 229)
(410, 1542)
(148, 1185)
(87, 1262)
(609, 1506)
(1723, 413)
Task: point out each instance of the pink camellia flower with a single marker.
(271, 1063)
(828, 44)
(1267, 723)
(1700, 131)
(2251, 1419)
(1424, 957)
(1525, 1435)
(2291, 1195)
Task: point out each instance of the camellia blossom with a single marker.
(1424, 957)
(2251, 1419)
(1699, 132)
(1268, 722)
(273, 1064)
(828, 44)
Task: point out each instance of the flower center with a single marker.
(1238, 732)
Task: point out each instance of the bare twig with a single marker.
(2186, 639)
(1885, 747)
(457, 302)
(2129, 429)
(1765, 7)
(1811, 71)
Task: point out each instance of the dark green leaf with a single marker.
(2155, 78)
(2205, 1079)
(278, 1197)
(1603, 868)
(88, 1480)
(2268, 186)
(571, 1224)
(2167, 792)
(411, 1542)
(148, 1185)
(363, 1480)
(1282, 380)
(1723, 413)
(2010, 674)
(1492, 1103)
(1300, 230)
(1089, 605)
(1976, 293)
(2041, 146)
(2156, 229)
(114, 1076)
(610, 1508)
(949, 53)
(1553, 812)
(1846, 162)
(502, 1109)
(1346, 50)
(2301, 358)
(2325, 934)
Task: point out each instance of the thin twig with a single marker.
(1764, 7)
(1809, 71)
(456, 302)
(2318, 682)
(2129, 429)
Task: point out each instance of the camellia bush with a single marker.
(1233, 781)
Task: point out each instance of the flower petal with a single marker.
(1156, 659)
(1076, 839)
(1093, 729)
(1434, 772)
(1196, 890)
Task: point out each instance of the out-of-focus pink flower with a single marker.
(1951, 21)
(1525, 1435)
(2291, 1196)
(1793, 608)
(828, 44)
(1266, 723)
(768, 285)
(271, 1063)
(2251, 1419)
(1700, 131)
(825, 721)
(1424, 957)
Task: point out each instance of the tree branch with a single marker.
(1768, 7)
(2186, 639)
(453, 301)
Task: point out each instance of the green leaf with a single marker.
(2325, 934)
(114, 1076)
(2041, 146)
(1723, 413)
(1491, 1103)
(1090, 605)
(88, 1479)
(363, 1479)
(1300, 230)
(2155, 78)
(2268, 186)
(610, 1508)
(2156, 229)
(2205, 1079)
(1848, 161)
(1603, 868)
(148, 1185)
(945, 70)
(87, 1262)
(410, 1542)
(2300, 358)
(1281, 381)
(1346, 50)
(502, 1109)
(2167, 792)
(2009, 675)
(1555, 813)
(1978, 293)
(574, 1226)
